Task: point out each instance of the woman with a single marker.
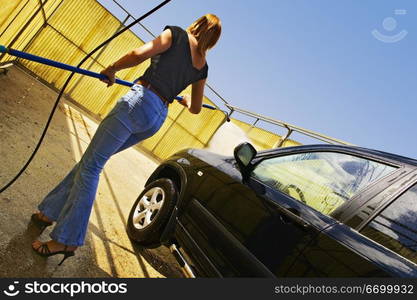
(178, 59)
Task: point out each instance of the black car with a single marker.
(305, 211)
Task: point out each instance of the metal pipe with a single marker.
(283, 139)
(306, 132)
(43, 11)
(185, 267)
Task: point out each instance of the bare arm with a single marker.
(138, 55)
(195, 102)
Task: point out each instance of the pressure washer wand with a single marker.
(63, 66)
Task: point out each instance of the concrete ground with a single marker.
(25, 104)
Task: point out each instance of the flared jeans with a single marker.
(137, 116)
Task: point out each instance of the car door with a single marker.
(212, 226)
(384, 244)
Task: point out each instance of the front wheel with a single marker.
(151, 211)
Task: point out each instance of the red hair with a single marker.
(206, 30)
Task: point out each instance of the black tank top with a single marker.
(172, 71)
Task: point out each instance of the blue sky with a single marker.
(311, 63)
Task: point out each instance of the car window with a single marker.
(322, 180)
(396, 226)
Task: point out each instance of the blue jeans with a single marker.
(137, 115)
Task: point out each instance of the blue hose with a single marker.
(63, 66)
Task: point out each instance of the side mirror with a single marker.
(244, 153)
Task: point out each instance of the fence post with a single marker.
(43, 11)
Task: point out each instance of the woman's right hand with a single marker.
(110, 73)
(186, 101)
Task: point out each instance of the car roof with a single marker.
(352, 149)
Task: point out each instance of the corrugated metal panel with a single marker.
(151, 143)
(13, 17)
(177, 139)
(201, 125)
(18, 13)
(9, 10)
(263, 139)
(245, 126)
(192, 131)
(290, 143)
(53, 46)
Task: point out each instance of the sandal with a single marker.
(39, 222)
(43, 250)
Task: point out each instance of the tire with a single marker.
(147, 220)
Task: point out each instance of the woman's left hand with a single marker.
(110, 73)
